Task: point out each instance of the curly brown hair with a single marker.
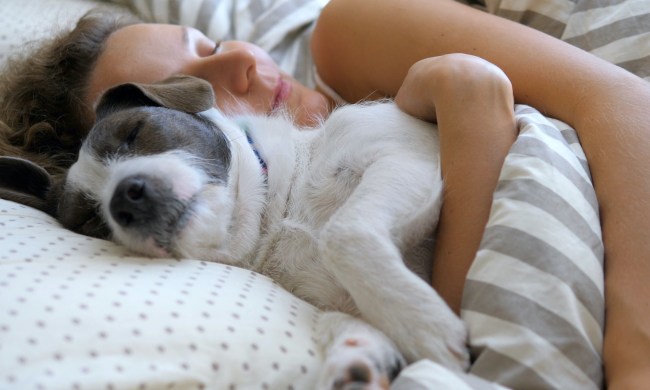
(42, 91)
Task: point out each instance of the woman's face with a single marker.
(245, 79)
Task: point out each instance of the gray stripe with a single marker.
(535, 20)
(149, 5)
(294, 54)
(275, 16)
(587, 5)
(551, 131)
(546, 258)
(304, 65)
(570, 136)
(508, 372)
(620, 29)
(537, 148)
(568, 133)
(206, 11)
(639, 66)
(256, 9)
(175, 11)
(539, 196)
(475, 382)
(233, 24)
(497, 302)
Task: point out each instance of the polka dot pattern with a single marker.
(78, 313)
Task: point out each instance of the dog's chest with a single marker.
(327, 168)
(324, 176)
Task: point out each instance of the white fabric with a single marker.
(83, 313)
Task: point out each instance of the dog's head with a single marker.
(152, 173)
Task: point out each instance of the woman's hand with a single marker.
(460, 78)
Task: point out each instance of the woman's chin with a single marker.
(314, 109)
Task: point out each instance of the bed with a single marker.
(82, 313)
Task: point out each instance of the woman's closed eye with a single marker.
(216, 47)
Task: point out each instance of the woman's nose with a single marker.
(236, 69)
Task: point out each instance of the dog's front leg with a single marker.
(359, 247)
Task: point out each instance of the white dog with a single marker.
(342, 215)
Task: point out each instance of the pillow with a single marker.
(618, 32)
(544, 15)
(78, 312)
(534, 295)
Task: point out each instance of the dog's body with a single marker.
(341, 216)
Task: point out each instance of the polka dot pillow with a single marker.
(81, 313)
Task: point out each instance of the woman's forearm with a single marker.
(472, 102)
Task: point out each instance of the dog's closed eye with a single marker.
(131, 137)
(129, 141)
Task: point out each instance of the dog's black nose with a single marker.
(133, 201)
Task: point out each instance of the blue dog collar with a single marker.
(257, 153)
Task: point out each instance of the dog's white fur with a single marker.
(344, 210)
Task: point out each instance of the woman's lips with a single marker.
(282, 92)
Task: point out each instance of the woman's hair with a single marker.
(43, 90)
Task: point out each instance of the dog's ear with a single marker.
(24, 182)
(184, 93)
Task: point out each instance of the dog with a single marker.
(340, 215)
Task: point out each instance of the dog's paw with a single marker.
(357, 355)
(444, 342)
(361, 362)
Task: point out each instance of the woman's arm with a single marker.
(465, 95)
(364, 48)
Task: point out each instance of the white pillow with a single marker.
(534, 295)
(78, 312)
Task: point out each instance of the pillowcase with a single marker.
(548, 16)
(79, 312)
(616, 31)
(534, 295)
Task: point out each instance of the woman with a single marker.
(407, 55)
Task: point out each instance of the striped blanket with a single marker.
(533, 298)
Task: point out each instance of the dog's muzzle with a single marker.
(148, 205)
